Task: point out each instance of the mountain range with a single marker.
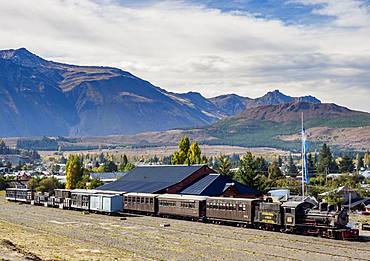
(40, 97)
(45, 98)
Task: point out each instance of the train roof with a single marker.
(19, 189)
(137, 194)
(295, 204)
(233, 199)
(180, 196)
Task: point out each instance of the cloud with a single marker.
(182, 47)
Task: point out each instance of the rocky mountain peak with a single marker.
(22, 57)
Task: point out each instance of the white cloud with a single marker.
(182, 47)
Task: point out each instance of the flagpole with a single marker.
(302, 133)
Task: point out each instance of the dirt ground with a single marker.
(38, 233)
(207, 150)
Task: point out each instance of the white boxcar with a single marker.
(106, 203)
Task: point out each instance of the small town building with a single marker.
(107, 177)
(367, 209)
(344, 192)
(217, 185)
(179, 179)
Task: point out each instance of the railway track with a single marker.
(242, 237)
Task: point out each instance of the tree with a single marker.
(184, 144)
(73, 171)
(33, 183)
(110, 166)
(262, 165)
(194, 154)
(367, 160)
(346, 164)
(291, 167)
(3, 183)
(187, 154)
(359, 162)
(223, 165)
(311, 164)
(274, 171)
(325, 159)
(280, 161)
(94, 183)
(248, 174)
(129, 166)
(49, 185)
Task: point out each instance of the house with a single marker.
(4, 170)
(14, 159)
(367, 209)
(365, 174)
(179, 179)
(218, 185)
(344, 192)
(357, 204)
(107, 177)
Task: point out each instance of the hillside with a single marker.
(264, 125)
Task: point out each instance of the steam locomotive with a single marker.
(299, 217)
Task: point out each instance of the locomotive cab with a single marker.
(295, 211)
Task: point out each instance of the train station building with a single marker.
(179, 179)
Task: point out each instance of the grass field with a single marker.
(54, 234)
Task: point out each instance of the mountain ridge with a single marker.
(40, 97)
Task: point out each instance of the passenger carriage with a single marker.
(231, 210)
(183, 206)
(141, 203)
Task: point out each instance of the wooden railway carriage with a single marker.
(63, 198)
(40, 198)
(19, 194)
(234, 210)
(141, 202)
(80, 199)
(185, 206)
(11, 194)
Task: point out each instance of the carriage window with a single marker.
(151, 201)
(288, 210)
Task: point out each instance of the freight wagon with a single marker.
(106, 203)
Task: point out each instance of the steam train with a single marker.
(298, 217)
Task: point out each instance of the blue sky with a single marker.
(285, 10)
(248, 47)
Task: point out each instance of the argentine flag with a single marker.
(304, 151)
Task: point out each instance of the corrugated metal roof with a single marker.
(151, 179)
(108, 175)
(185, 197)
(215, 185)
